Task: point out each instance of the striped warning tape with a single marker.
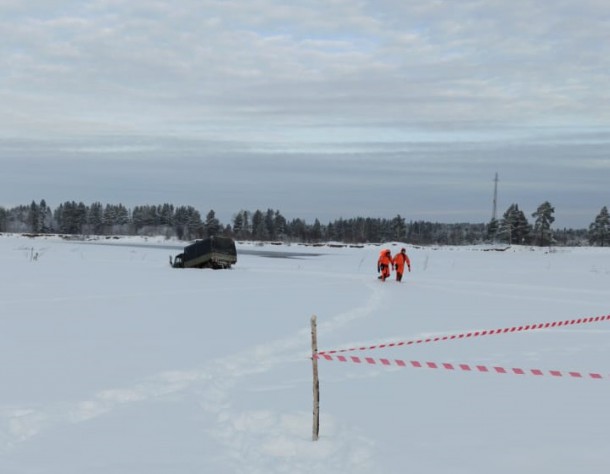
(489, 332)
(460, 367)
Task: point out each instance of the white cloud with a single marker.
(464, 63)
(419, 80)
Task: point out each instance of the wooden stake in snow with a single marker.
(316, 381)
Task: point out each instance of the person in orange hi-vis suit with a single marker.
(384, 264)
(399, 261)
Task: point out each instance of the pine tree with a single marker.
(247, 223)
(71, 217)
(279, 224)
(115, 219)
(599, 230)
(316, 231)
(34, 218)
(212, 225)
(507, 225)
(297, 228)
(331, 231)
(3, 219)
(270, 225)
(522, 228)
(542, 226)
(259, 231)
(166, 214)
(138, 217)
(122, 215)
(492, 230)
(238, 224)
(45, 216)
(514, 227)
(95, 219)
(241, 225)
(194, 224)
(399, 228)
(180, 221)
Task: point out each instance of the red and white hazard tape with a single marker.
(460, 367)
(490, 332)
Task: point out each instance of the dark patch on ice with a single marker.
(178, 248)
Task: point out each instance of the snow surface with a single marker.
(113, 362)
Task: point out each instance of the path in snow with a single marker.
(281, 435)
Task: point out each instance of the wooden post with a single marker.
(316, 381)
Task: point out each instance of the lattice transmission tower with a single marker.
(495, 207)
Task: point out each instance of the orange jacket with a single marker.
(385, 259)
(400, 259)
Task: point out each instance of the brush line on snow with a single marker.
(461, 367)
(489, 332)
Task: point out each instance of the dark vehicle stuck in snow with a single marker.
(214, 252)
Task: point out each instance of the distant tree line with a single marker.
(186, 223)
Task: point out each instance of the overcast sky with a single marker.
(327, 109)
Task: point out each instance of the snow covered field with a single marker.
(114, 363)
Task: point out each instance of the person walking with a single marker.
(399, 261)
(384, 264)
